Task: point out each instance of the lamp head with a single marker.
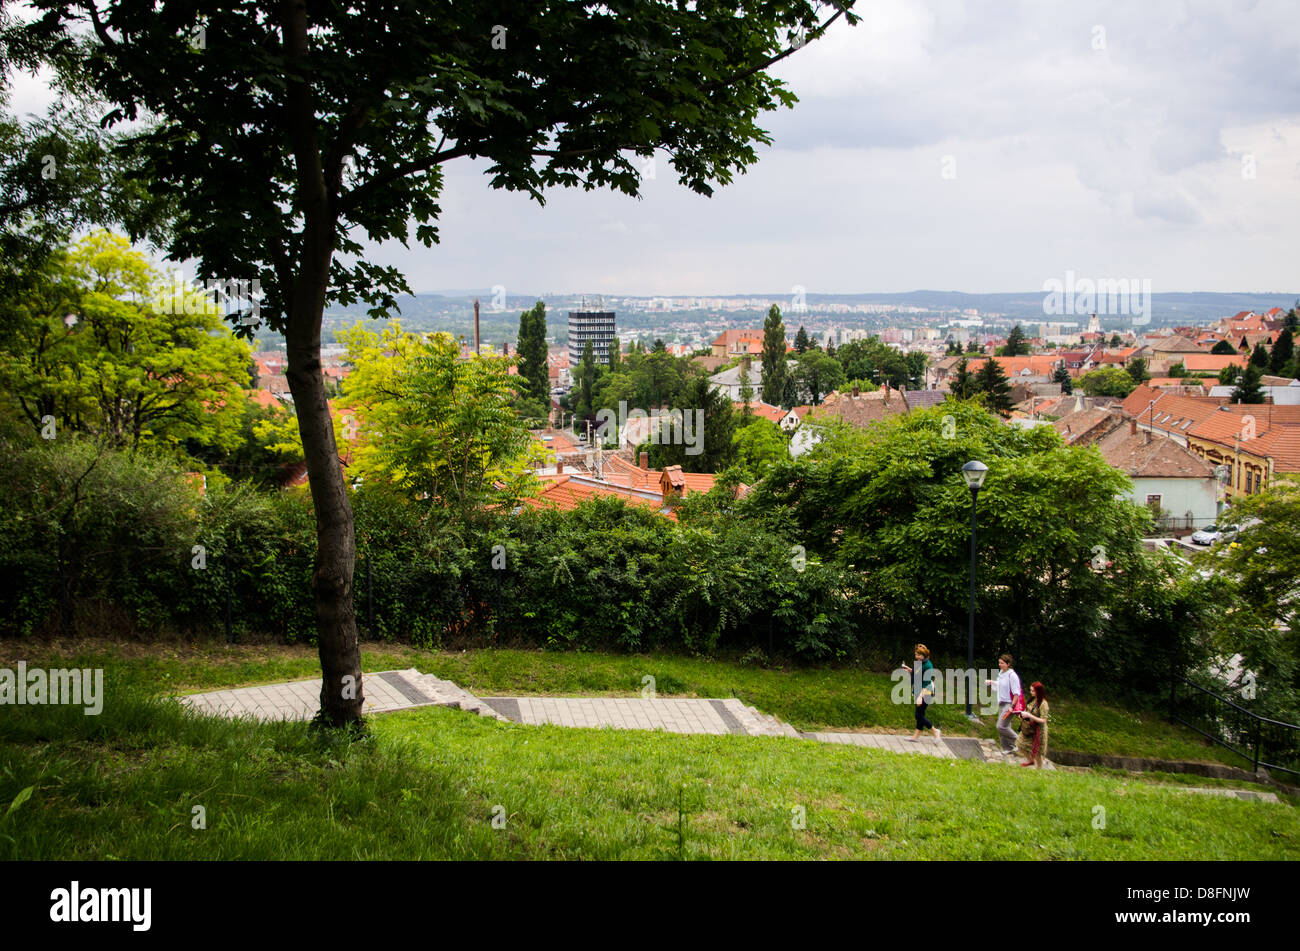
(974, 472)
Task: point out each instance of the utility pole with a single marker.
(476, 336)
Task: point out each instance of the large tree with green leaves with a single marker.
(1283, 352)
(1061, 575)
(94, 347)
(287, 133)
(1107, 381)
(775, 365)
(1062, 376)
(531, 351)
(992, 383)
(1017, 345)
(1248, 388)
(1264, 565)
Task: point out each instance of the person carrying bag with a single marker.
(1011, 700)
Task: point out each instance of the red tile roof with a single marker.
(566, 492)
(1142, 455)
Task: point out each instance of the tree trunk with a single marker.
(336, 627)
(336, 624)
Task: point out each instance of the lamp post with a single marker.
(973, 472)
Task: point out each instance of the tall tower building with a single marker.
(596, 326)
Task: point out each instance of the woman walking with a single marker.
(1032, 744)
(1008, 684)
(923, 688)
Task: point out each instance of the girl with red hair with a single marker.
(1032, 742)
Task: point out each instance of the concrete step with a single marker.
(444, 693)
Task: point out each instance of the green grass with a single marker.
(809, 699)
(427, 783)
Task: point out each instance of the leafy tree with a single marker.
(817, 375)
(895, 510)
(1178, 371)
(290, 133)
(759, 444)
(615, 356)
(1229, 374)
(963, 385)
(775, 369)
(435, 426)
(660, 346)
(1137, 369)
(713, 450)
(1283, 352)
(972, 346)
(993, 384)
(1115, 341)
(1224, 349)
(1062, 376)
(1017, 345)
(1248, 388)
(96, 346)
(801, 341)
(746, 390)
(531, 351)
(1264, 566)
(1259, 356)
(1107, 381)
(952, 349)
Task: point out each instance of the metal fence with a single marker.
(1263, 742)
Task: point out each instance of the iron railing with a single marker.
(1263, 742)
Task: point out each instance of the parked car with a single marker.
(1213, 533)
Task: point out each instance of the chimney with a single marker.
(476, 337)
(856, 390)
(644, 460)
(1132, 427)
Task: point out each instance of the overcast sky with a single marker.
(948, 145)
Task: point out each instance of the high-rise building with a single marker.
(596, 326)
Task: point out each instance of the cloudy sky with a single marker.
(949, 145)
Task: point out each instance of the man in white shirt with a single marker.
(1008, 684)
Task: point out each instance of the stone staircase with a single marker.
(757, 723)
(444, 693)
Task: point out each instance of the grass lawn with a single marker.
(810, 699)
(428, 784)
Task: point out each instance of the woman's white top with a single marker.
(1008, 685)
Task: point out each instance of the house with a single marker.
(1161, 354)
(565, 491)
(1168, 477)
(1171, 479)
(729, 382)
(1085, 423)
(731, 343)
(1210, 362)
(767, 411)
(855, 408)
(1250, 445)
(791, 420)
(1256, 444)
(1282, 394)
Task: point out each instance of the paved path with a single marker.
(407, 689)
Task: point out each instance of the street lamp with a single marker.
(973, 472)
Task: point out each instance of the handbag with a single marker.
(1018, 703)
